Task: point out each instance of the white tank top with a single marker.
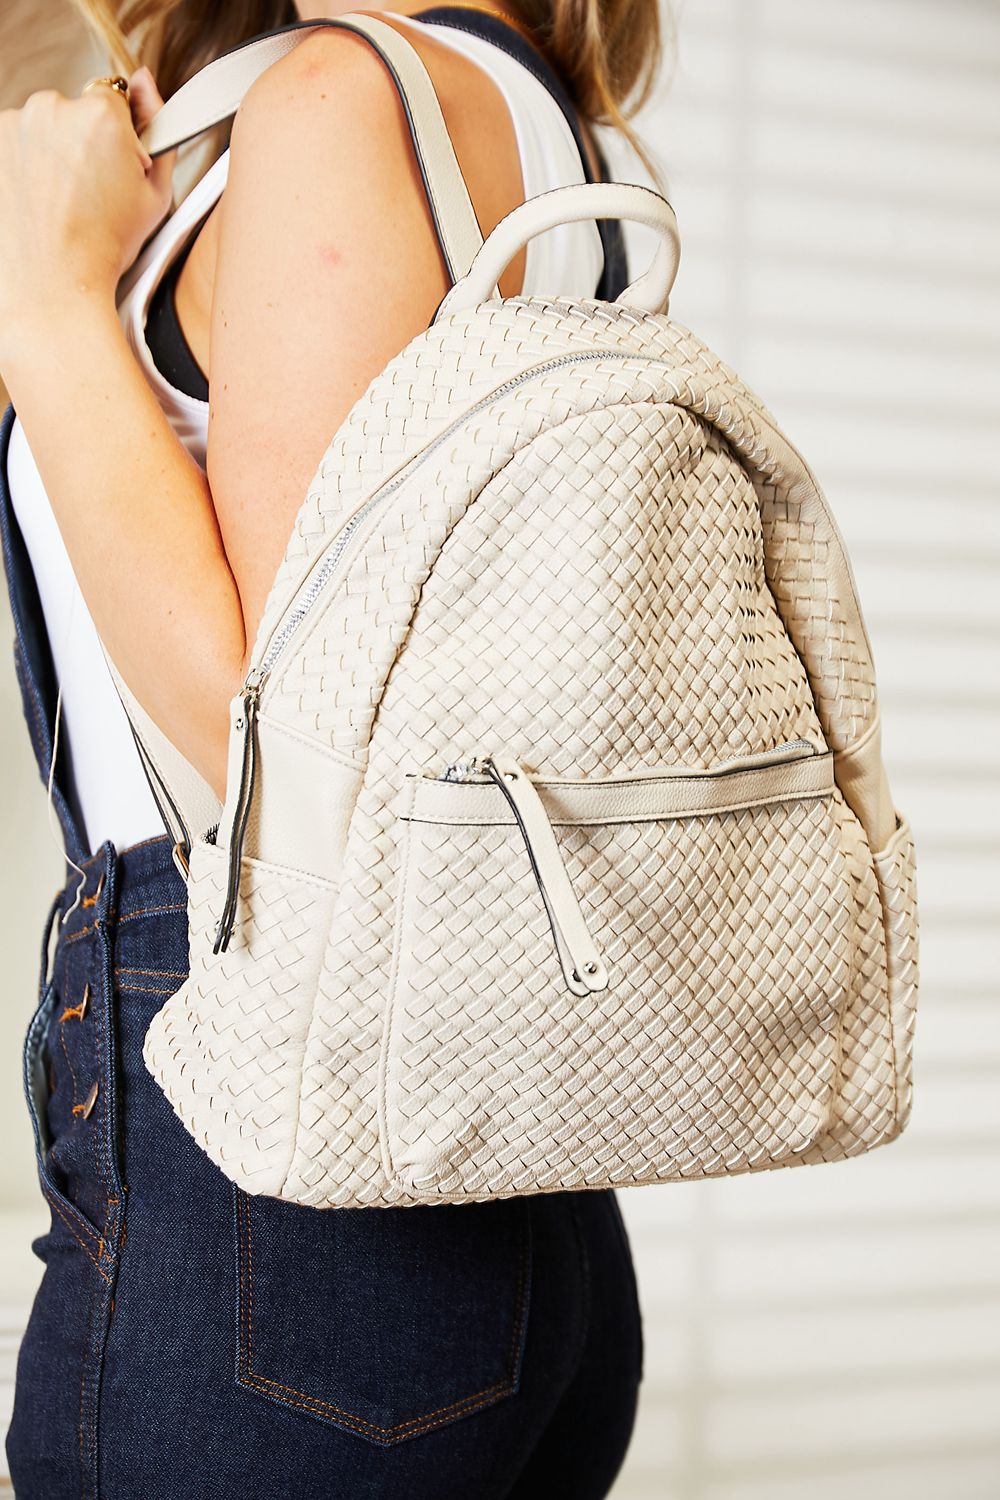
(105, 776)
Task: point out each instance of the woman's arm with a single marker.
(327, 266)
(77, 198)
(137, 518)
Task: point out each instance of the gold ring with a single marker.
(119, 84)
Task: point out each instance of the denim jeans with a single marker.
(191, 1342)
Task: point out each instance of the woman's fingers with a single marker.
(79, 197)
(145, 100)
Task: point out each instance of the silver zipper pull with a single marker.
(248, 770)
(463, 770)
(582, 965)
(255, 680)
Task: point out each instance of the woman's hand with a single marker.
(79, 196)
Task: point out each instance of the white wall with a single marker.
(825, 1331)
(836, 1330)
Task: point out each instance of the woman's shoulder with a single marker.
(328, 114)
(336, 76)
(331, 70)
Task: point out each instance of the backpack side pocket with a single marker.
(895, 869)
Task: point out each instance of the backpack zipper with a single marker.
(318, 576)
(327, 564)
(579, 957)
(474, 768)
(580, 960)
(241, 812)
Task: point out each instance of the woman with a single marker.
(188, 1340)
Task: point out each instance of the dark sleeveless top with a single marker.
(170, 350)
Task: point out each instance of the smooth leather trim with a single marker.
(285, 827)
(582, 965)
(194, 805)
(861, 778)
(625, 799)
(489, 27)
(650, 292)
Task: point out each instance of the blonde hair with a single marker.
(177, 37)
(607, 51)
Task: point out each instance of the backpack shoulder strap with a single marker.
(214, 93)
(492, 27)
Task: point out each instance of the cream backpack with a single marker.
(557, 851)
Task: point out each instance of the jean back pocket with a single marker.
(386, 1322)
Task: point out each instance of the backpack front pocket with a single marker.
(719, 915)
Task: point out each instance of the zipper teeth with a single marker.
(248, 768)
(326, 567)
(473, 769)
(330, 559)
(775, 753)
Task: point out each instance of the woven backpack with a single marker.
(557, 850)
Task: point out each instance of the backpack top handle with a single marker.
(650, 292)
(215, 93)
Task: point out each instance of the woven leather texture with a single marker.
(238, 1060)
(585, 542)
(496, 1073)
